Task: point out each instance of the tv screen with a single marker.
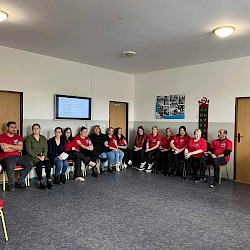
(72, 107)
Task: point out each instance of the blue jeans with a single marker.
(104, 155)
(61, 166)
(116, 155)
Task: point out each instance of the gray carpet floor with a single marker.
(128, 210)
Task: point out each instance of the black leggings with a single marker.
(39, 169)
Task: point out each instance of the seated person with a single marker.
(36, 149)
(100, 143)
(84, 145)
(75, 155)
(114, 153)
(166, 154)
(178, 144)
(11, 146)
(152, 150)
(139, 148)
(56, 146)
(218, 154)
(194, 151)
(123, 146)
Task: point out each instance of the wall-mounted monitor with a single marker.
(72, 107)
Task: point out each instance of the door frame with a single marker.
(235, 132)
(21, 108)
(126, 103)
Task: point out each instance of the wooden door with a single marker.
(242, 140)
(118, 114)
(11, 110)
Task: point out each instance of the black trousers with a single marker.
(194, 164)
(39, 169)
(176, 158)
(217, 162)
(165, 161)
(78, 158)
(93, 155)
(138, 157)
(10, 163)
(127, 155)
(153, 155)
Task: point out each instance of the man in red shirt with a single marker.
(218, 154)
(11, 146)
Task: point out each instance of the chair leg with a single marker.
(4, 226)
(184, 171)
(227, 172)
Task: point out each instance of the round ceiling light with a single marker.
(129, 53)
(3, 15)
(224, 31)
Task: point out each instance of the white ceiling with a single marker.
(164, 33)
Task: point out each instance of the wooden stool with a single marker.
(221, 167)
(3, 221)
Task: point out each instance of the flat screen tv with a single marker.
(72, 107)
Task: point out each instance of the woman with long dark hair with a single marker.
(72, 150)
(56, 146)
(123, 146)
(139, 148)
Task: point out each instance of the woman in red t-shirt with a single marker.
(123, 146)
(194, 151)
(178, 144)
(152, 150)
(139, 148)
(85, 146)
(71, 149)
(114, 154)
(166, 154)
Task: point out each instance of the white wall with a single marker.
(40, 77)
(220, 81)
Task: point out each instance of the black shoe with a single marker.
(110, 169)
(63, 179)
(41, 185)
(94, 174)
(57, 180)
(20, 185)
(103, 159)
(49, 185)
(11, 188)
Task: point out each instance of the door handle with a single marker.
(239, 136)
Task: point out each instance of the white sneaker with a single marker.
(124, 165)
(117, 168)
(149, 168)
(79, 179)
(143, 163)
(141, 168)
(129, 162)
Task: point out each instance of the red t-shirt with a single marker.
(181, 142)
(220, 146)
(71, 144)
(140, 141)
(193, 146)
(112, 141)
(152, 140)
(85, 141)
(9, 140)
(121, 142)
(165, 142)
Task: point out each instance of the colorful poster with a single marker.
(170, 107)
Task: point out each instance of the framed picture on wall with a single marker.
(170, 107)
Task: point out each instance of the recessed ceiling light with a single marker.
(129, 53)
(224, 31)
(3, 15)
